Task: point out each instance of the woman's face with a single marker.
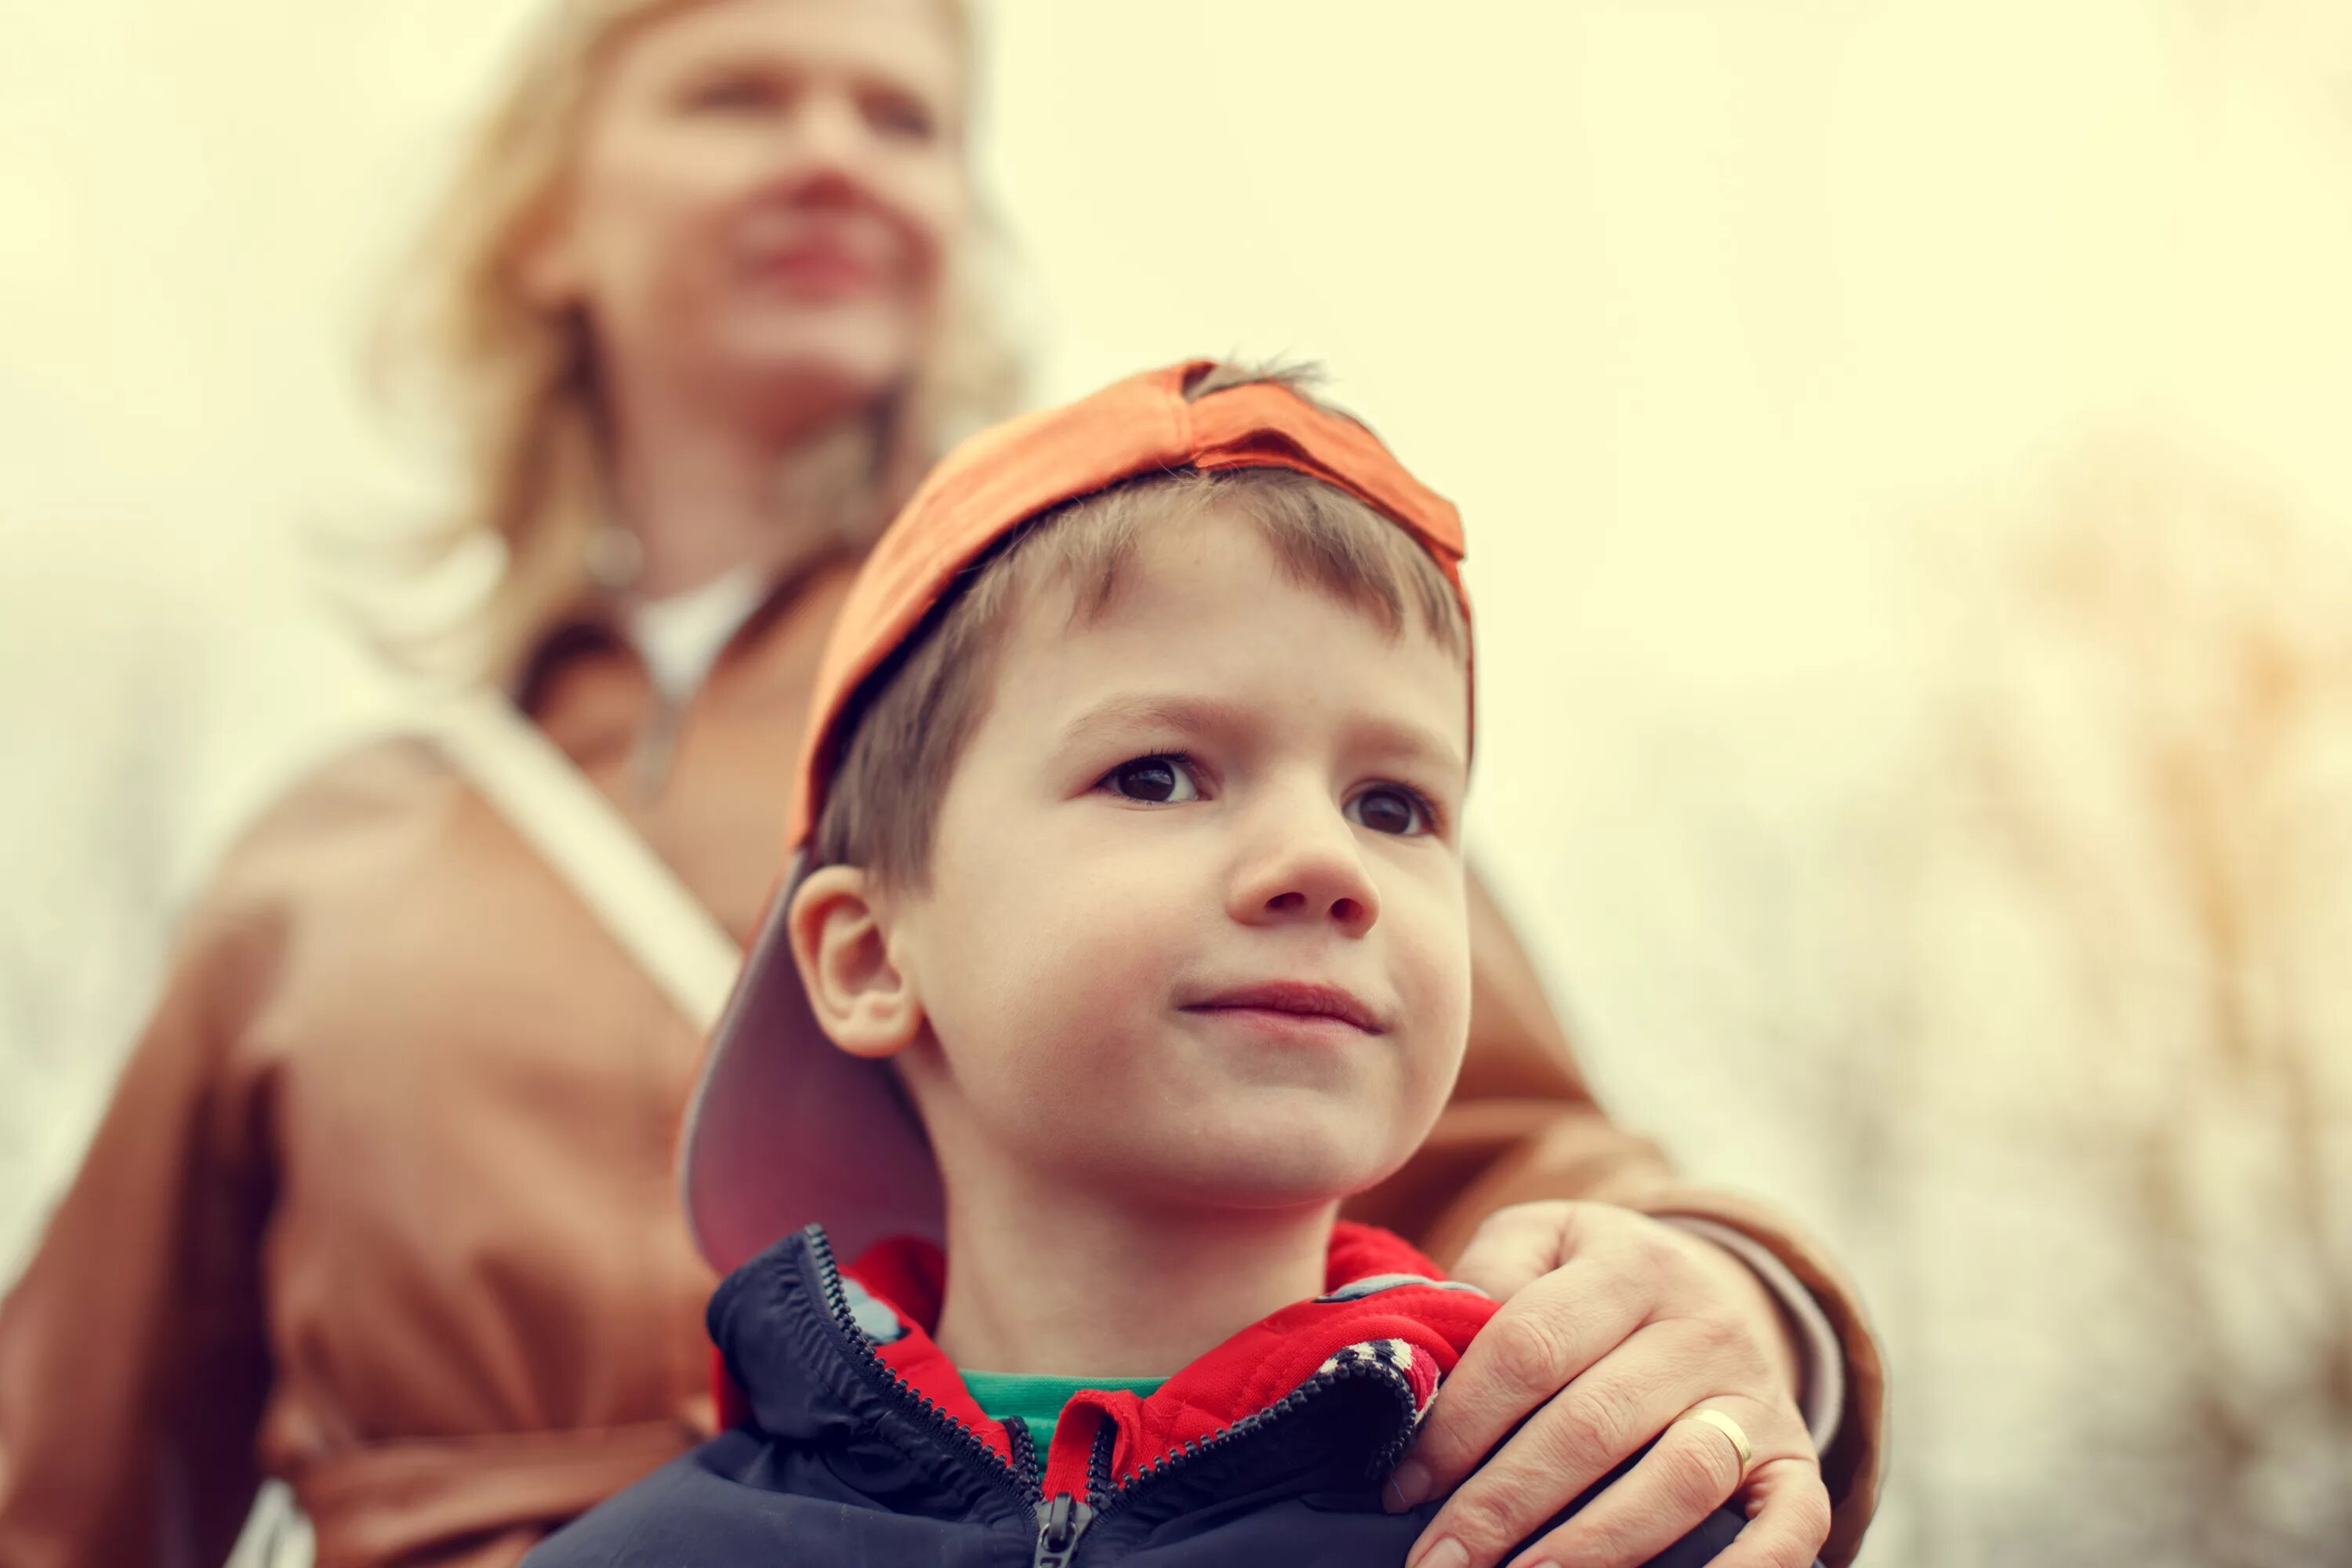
(761, 202)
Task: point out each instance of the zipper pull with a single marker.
(1059, 1525)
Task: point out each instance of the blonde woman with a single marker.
(383, 1205)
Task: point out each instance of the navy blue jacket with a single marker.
(856, 1444)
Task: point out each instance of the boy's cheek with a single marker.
(1433, 965)
(1439, 1063)
(1441, 1042)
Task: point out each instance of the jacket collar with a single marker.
(811, 1352)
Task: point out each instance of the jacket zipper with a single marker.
(1060, 1523)
(949, 1430)
(1162, 1468)
(1062, 1519)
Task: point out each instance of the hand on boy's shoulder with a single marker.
(1613, 1326)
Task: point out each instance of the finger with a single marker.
(1541, 1341)
(1581, 1435)
(1516, 1247)
(1689, 1472)
(1790, 1517)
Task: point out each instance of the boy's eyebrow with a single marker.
(1412, 743)
(1148, 711)
(1197, 715)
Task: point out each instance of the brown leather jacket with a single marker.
(383, 1203)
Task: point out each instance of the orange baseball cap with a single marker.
(785, 1130)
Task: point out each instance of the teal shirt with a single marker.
(1037, 1402)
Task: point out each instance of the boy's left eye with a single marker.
(1160, 780)
(1389, 809)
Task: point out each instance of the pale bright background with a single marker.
(1908, 454)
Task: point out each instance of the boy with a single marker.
(1128, 876)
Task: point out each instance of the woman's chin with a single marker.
(848, 353)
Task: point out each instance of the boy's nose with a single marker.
(1310, 874)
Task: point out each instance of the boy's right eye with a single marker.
(1162, 780)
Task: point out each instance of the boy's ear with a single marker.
(861, 1000)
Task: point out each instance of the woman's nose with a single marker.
(826, 144)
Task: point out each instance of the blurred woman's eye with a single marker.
(737, 93)
(1392, 808)
(1162, 780)
(901, 115)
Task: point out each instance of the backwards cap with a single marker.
(785, 1129)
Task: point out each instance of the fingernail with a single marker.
(1409, 1487)
(1447, 1553)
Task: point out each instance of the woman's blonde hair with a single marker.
(517, 383)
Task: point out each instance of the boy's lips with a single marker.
(1294, 999)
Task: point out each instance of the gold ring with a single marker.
(1729, 1427)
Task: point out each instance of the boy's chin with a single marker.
(1305, 1168)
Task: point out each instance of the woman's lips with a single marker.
(824, 269)
(1293, 1009)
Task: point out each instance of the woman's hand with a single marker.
(1613, 1325)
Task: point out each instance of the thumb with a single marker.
(1515, 1248)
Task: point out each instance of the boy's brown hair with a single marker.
(916, 714)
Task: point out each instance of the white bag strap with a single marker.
(580, 835)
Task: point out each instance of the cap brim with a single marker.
(786, 1130)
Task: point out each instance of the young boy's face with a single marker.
(1194, 929)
